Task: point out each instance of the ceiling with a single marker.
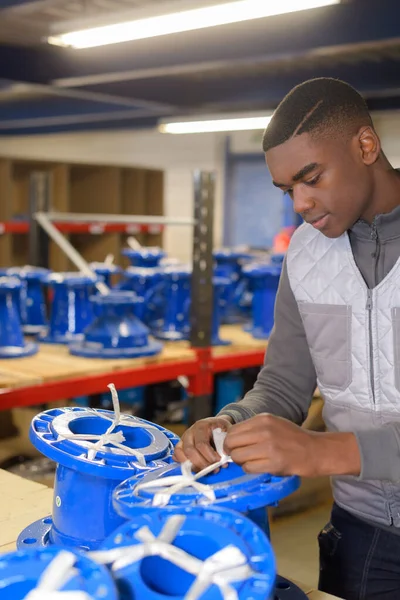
(241, 67)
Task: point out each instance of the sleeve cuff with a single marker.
(236, 412)
(380, 454)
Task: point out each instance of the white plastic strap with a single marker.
(221, 569)
(110, 437)
(59, 571)
(176, 483)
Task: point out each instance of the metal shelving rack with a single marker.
(199, 365)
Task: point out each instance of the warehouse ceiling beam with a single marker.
(324, 30)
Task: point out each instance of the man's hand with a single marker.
(268, 444)
(196, 443)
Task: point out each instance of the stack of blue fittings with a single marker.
(176, 321)
(229, 264)
(83, 514)
(12, 342)
(264, 281)
(219, 286)
(99, 509)
(116, 331)
(27, 571)
(147, 283)
(71, 308)
(146, 257)
(33, 309)
(105, 271)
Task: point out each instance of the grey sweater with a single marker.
(287, 380)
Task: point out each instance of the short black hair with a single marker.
(319, 106)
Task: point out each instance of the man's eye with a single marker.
(313, 181)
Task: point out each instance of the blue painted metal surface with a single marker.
(83, 515)
(264, 284)
(287, 590)
(12, 343)
(33, 309)
(219, 286)
(148, 284)
(229, 264)
(229, 387)
(176, 322)
(233, 489)
(105, 271)
(116, 332)
(71, 309)
(146, 257)
(21, 571)
(203, 532)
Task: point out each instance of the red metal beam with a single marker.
(239, 360)
(96, 384)
(92, 228)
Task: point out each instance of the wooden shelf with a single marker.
(81, 189)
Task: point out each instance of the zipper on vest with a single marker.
(371, 353)
(376, 253)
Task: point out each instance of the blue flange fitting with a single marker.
(191, 553)
(116, 331)
(90, 464)
(32, 298)
(277, 259)
(71, 309)
(264, 281)
(219, 286)
(47, 570)
(176, 325)
(147, 283)
(231, 486)
(105, 271)
(229, 264)
(148, 257)
(12, 343)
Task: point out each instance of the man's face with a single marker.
(328, 181)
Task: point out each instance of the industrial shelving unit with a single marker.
(54, 374)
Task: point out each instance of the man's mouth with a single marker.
(319, 222)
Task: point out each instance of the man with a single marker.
(337, 324)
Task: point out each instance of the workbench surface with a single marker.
(23, 501)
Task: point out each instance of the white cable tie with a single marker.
(175, 483)
(110, 437)
(220, 569)
(56, 575)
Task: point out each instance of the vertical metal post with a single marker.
(39, 201)
(200, 405)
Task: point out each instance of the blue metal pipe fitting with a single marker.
(229, 263)
(105, 271)
(264, 281)
(176, 322)
(147, 283)
(87, 474)
(12, 343)
(32, 299)
(21, 572)
(232, 487)
(219, 286)
(116, 331)
(147, 257)
(201, 533)
(71, 309)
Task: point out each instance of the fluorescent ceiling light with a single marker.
(189, 20)
(240, 124)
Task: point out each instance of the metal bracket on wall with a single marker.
(202, 292)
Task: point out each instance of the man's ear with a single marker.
(369, 145)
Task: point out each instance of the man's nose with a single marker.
(302, 201)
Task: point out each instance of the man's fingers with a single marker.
(249, 453)
(202, 443)
(258, 466)
(239, 440)
(179, 454)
